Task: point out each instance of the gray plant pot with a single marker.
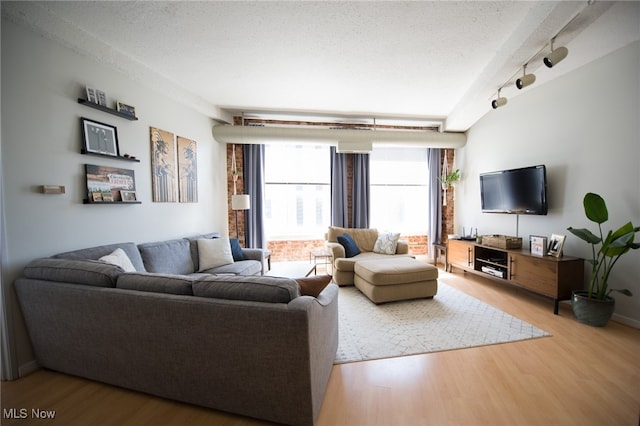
(592, 311)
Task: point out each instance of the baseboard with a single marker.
(626, 321)
(28, 368)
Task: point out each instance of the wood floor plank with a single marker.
(580, 375)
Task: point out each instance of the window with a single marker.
(297, 195)
(399, 190)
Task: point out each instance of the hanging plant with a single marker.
(449, 179)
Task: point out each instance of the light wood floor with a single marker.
(580, 376)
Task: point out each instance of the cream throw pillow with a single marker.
(214, 252)
(119, 258)
(386, 243)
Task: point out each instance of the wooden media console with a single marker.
(554, 277)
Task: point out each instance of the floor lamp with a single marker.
(240, 202)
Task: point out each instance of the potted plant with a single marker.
(595, 305)
(449, 179)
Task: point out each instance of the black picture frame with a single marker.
(99, 138)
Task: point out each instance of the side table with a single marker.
(321, 257)
(440, 249)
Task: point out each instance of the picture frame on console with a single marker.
(538, 245)
(556, 242)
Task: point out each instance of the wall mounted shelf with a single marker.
(106, 109)
(115, 157)
(87, 201)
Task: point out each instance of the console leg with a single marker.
(555, 306)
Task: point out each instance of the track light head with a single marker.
(556, 55)
(498, 102)
(525, 80)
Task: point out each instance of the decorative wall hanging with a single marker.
(106, 184)
(163, 166)
(187, 170)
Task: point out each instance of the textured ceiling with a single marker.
(419, 60)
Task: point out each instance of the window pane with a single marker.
(392, 166)
(399, 190)
(297, 191)
(287, 163)
(296, 211)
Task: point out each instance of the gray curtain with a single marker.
(361, 192)
(339, 208)
(434, 229)
(254, 186)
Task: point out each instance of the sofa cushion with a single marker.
(395, 270)
(193, 246)
(242, 267)
(386, 243)
(87, 272)
(350, 247)
(236, 249)
(214, 252)
(95, 253)
(167, 257)
(313, 286)
(365, 238)
(250, 288)
(157, 283)
(119, 258)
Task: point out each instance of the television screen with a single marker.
(520, 191)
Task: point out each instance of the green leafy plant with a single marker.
(448, 179)
(607, 250)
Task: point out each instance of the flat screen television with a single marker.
(517, 191)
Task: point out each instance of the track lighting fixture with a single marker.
(498, 102)
(526, 79)
(556, 55)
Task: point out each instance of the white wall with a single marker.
(41, 141)
(584, 128)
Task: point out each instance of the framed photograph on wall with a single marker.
(555, 245)
(99, 138)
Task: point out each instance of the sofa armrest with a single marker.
(255, 254)
(402, 247)
(336, 250)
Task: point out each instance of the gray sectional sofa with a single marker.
(246, 344)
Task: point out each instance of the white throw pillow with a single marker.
(214, 252)
(386, 243)
(119, 258)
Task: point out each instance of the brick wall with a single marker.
(240, 190)
(448, 210)
(284, 250)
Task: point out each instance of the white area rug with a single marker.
(451, 320)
